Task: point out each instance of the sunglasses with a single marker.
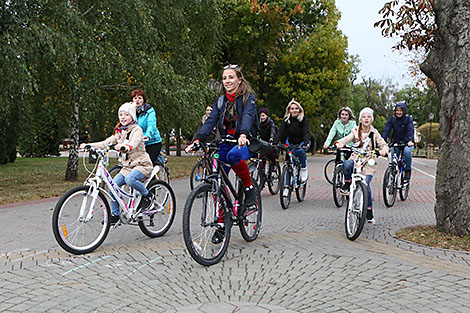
(230, 66)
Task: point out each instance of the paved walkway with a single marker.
(302, 262)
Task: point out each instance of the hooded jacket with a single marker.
(268, 129)
(403, 129)
(147, 120)
(339, 130)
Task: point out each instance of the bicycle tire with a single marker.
(300, 190)
(77, 235)
(157, 222)
(198, 215)
(249, 220)
(389, 189)
(253, 168)
(274, 182)
(355, 217)
(404, 190)
(286, 183)
(198, 173)
(328, 170)
(338, 196)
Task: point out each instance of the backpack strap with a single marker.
(220, 102)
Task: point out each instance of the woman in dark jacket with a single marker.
(294, 128)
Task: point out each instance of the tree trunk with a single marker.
(71, 173)
(448, 65)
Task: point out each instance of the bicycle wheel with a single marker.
(389, 188)
(254, 168)
(200, 223)
(355, 216)
(329, 170)
(158, 220)
(81, 234)
(249, 220)
(405, 188)
(301, 189)
(286, 183)
(198, 173)
(338, 196)
(274, 180)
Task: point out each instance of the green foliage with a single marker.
(429, 133)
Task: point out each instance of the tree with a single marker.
(448, 65)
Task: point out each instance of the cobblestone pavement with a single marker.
(302, 262)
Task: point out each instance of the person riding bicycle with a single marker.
(235, 118)
(137, 164)
(147, 120)
(403, 132)
(268, 132)
(367, 137)
(342, 126)
(294, 128)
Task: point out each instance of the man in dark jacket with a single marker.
(403, 132)
(268, 128)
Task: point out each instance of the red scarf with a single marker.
(231, 97)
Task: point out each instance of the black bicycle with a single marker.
(290, 178)
(265, 172)
(338, 176)
(213, 207)
(199, 172)
(394, 177)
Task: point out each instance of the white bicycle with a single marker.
(80, 220)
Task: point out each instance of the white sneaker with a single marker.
(303, 174)
(372, 221)
(285, 192)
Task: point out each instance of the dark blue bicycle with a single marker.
(394, 178)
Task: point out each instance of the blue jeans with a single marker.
(348, 166)
(406, 155)
(301, 154)
(132, 179)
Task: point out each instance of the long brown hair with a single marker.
(244, 89)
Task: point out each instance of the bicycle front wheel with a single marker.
(254, 168)
(389, 187)
(274, 180)
(249, 220)
(405, 187)
(338, 196)
(203, 235)
(198, 174)
(80, 222)
(329, 170)
(286, 189)
(356, 210)
(156, 221)
(300, 189)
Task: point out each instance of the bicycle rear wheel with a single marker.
(389, 187)
(274, 181)
(163, 174)
(338, 196)
(329, 170)
(286, 183)
(200, 224)
(355, 216)
(156, 221)
(198, 174)
(405, 187)
(249, 220)
(301, 188)
(81, 234)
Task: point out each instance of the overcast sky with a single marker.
(377, 58)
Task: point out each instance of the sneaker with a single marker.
(250, 196)
(303, 174)
(407, 176)
(218, 236)
(371, 221)
(114, 219)
(345, 187)
(147, 201)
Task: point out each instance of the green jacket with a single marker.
(339, 130)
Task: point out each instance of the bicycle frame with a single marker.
(292, 162)
(398, 163)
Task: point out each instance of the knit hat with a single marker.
(128, 107)
(366, 110)
(264, 110)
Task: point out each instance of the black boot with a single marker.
(146, 201)
(250, 196)
(407, 177)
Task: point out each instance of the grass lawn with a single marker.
(35, 178)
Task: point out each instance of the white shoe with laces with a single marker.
(372, 221)
(303, 174)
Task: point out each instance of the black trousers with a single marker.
(153, 151)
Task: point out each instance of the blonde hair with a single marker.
(300, 117)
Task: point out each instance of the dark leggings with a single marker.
(153, 151)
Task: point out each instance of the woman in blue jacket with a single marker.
(147, 120)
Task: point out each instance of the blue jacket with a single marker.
(403, 129)
(147, 120)
(247, 119)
